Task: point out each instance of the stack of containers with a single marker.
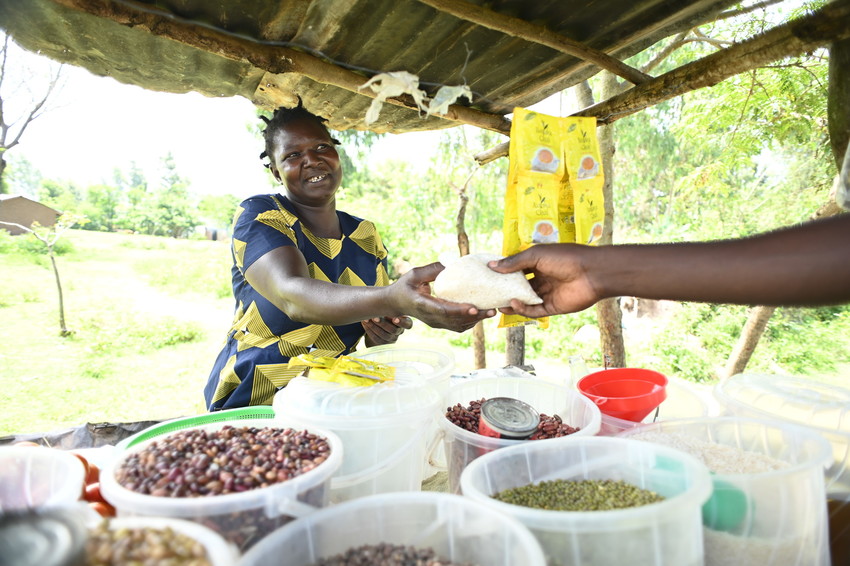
(463, 446)
(664, 533)
(242, 518)
(455, 528)
(435, 365)
(385, 428)
(822, 407)
(767, 506)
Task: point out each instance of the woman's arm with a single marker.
(805, 265)
(282, 277)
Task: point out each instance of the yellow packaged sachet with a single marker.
(585, 177)
(345, 370)
(554, 188)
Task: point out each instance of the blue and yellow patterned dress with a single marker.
(252, 365)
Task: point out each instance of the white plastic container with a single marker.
(823, 407)
(385, 428)
(463, 446)
(769, 518)
(219, 551)
(456, 528)
(435, 366)
(241, 518)
(39, 477)
(667, 533)
(683, 401)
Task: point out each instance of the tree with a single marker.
(49, 236)
(23, 97)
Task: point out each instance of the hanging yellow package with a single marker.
(554, 188)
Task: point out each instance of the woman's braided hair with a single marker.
(283, 116)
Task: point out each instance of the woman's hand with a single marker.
(385, 330)
(413, 294)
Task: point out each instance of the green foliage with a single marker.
(217, 210)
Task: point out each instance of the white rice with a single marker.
(718, 458)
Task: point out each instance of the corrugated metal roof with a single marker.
(116, 38)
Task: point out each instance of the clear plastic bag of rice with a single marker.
(467, 279)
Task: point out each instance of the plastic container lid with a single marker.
(429, 363)
(39, 477)
(817, 405)
(807, 402)
(409, 396)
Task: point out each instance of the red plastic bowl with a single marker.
(625, 393)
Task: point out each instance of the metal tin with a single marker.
(505, 417)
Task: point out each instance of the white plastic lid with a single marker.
(408, 396)
(804, 401)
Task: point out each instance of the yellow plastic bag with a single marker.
(554, 188)
(345, 370)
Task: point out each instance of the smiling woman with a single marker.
(308, 278)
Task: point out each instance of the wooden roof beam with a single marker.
(268, 56)
(830, 23)
(522, 29)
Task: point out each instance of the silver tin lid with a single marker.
(511, 418)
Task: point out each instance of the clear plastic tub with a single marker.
(433, 364)
(757, 514)
(805, 402)
(39, 477)
(683, 401)
(456, 528)
(385, 428)
(463, 446)
(241, 518)
(667, 533)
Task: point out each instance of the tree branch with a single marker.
(830, 23)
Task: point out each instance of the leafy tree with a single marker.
(22, 177)
(64, 196)
(23, 96)
(175, 212)
(218, 210)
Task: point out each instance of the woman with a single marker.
(309, 278)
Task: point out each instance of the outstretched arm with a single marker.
(283, 278)
(805, 265)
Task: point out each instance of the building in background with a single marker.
(17, 209)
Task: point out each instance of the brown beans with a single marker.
(468, 417)
(143, 546)
(385, 554)
(230, 460)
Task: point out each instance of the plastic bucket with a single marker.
(463, 446)
(625, 393)
(456, 528)
(384, 428)
(39, 477)
(759, 513)
(666, 533)
(241, 518)
(432, 364)
(682, 401)
(822, 407)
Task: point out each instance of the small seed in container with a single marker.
(143, 545)
(504, 417)
(581, 495)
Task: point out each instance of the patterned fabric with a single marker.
(252, 365)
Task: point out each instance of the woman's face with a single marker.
(306, 162)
